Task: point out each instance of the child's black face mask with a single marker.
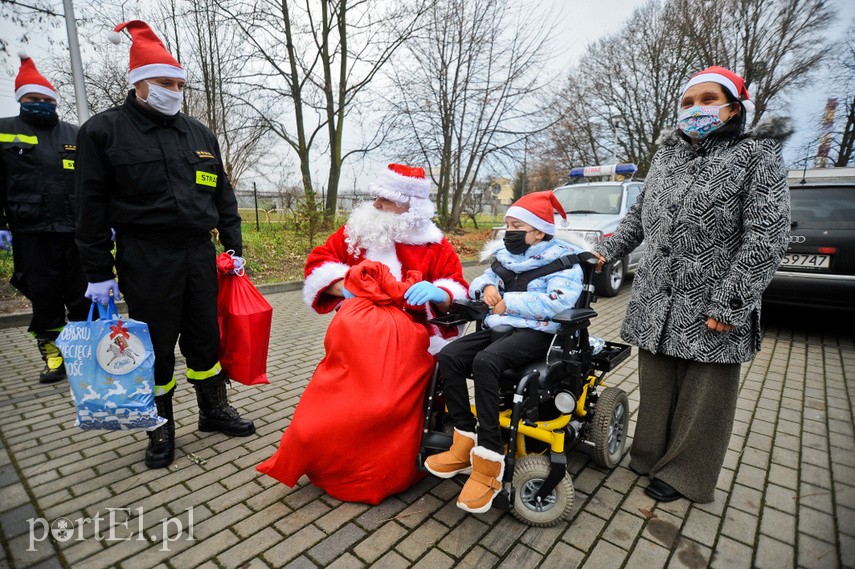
(515, 242)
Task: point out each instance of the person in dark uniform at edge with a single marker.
(36, 202)
(156, 176)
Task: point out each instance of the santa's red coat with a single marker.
(428, 252)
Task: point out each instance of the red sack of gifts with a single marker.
(357, 427)
(245, 318)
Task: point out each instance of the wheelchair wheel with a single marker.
(610, 423)
(529, 474)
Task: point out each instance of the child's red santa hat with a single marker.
(400, 184)
(29, 80)
(149, 57)
(538, 209)
(734, 84)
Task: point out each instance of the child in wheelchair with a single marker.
(533, 279)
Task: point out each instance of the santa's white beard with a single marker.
(372, 228)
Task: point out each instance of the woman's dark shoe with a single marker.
(662, 491)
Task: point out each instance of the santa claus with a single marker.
(396, 230)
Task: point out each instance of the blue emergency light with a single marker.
(607, 170)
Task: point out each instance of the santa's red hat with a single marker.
(538, 209)
(734, 84)
(400, 184)
(29, 80)
(149, 57)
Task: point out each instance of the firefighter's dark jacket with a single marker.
(151, 177)
(37, 176)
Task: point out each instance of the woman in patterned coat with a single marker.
(715, 215)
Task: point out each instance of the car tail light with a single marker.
(827, 250)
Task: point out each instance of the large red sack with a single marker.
(357, 427)
(245, 318)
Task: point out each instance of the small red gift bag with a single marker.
(245, 317)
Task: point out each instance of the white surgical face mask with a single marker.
(165, 101)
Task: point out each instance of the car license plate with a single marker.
(806, 261)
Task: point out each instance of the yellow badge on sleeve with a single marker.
(68, 164)
(206, 179)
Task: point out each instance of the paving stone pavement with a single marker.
(786, 496)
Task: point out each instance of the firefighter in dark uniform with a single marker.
(36, 201)
(156, 176)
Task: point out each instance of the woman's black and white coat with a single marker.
(716, 218)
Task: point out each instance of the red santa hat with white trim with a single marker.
(538, 209)
(400, 183)
(29, 80)
(149, 57)
(734, 84)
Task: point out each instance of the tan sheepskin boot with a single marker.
(456, 459)
(485, 482)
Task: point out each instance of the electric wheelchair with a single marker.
(546, 408)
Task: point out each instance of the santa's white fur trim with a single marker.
(387, 256)
(428, 233)
(22, 54)
(320, 278)
(436, 344)
(388, 183)
(457, 290)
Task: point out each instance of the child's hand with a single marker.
(491, 295)
(499, 307)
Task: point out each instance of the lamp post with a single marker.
(76, 63)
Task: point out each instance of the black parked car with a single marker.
(818, 270)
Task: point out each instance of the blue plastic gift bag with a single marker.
(110, 367)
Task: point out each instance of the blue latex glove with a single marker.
(6, 239)
(346, 293)
(424, 292)
(100, 292)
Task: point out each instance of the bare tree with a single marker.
(624, 91)
(208, 45)
(320, 58)
(843, 81)
(775, 45)
(466, 93)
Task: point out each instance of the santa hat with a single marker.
(149, 57)
(29, 80)
(400, 183)
(538, 210)
(727, 79)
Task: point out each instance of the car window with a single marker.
(590, 199)
(822, 207)
(632, 195)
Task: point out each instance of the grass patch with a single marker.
(274, 253)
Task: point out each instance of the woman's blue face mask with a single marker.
(700, 121)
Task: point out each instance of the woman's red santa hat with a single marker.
(734, 84)
(538, 209)
(149, 57)
(29, 80)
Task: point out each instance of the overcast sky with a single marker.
(577, 23)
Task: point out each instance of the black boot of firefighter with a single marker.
(54, 366)
(215, 413)
(161, 441)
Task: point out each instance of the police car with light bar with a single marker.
(595, 208)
